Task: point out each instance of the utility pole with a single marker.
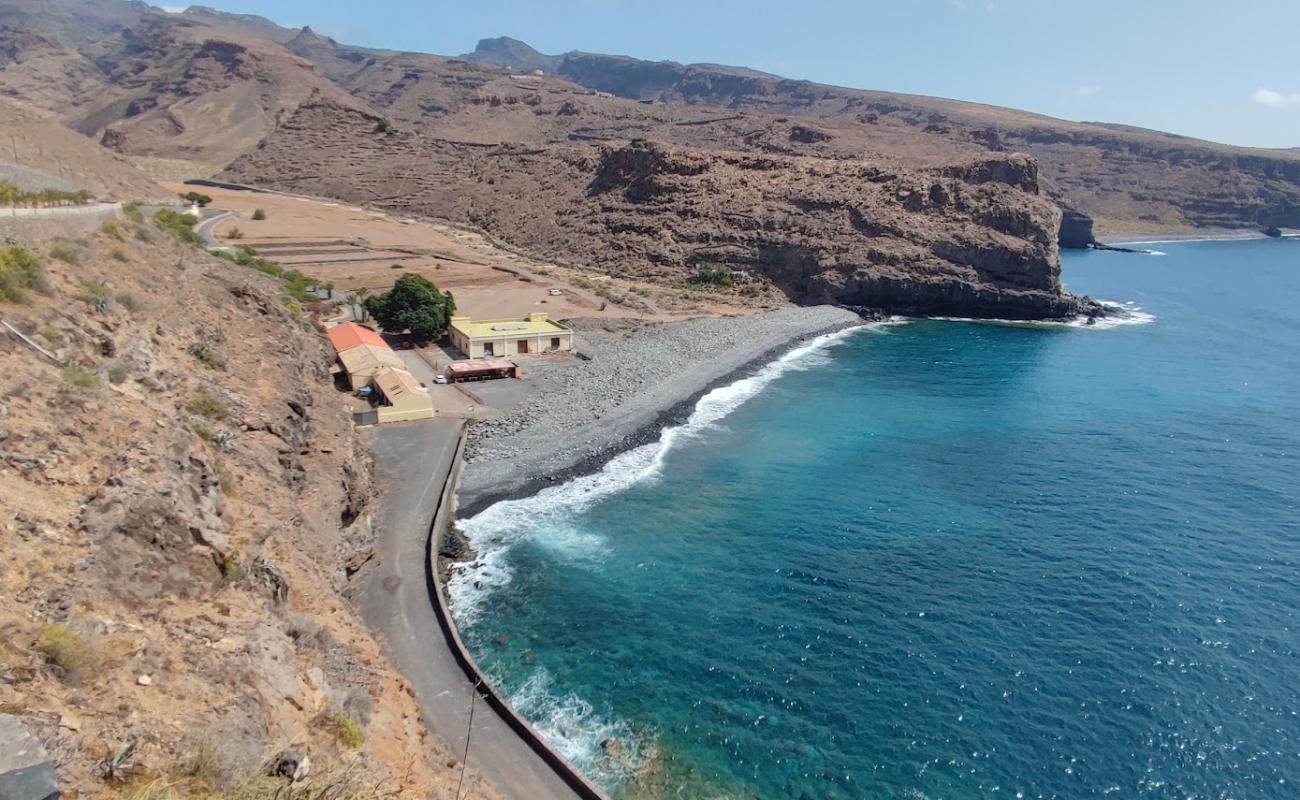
(468, 732)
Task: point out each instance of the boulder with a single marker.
(26, 770)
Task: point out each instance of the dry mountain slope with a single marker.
(185, 504)
(207, 85)
(972, 236)
(1124, 177)
(199, 86)
(34, 142)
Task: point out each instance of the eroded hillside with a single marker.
(184, 499)
(972, 236)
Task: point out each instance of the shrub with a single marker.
(80, 376)
(127, 300)
(11, 195)
(207, 403)
(111, 229)
(132, 212)
(66, 252)
(118, 254)
(76, 656)
(94, 293)
(20, 270)
(259, 214)
(385, 127)
(709, 273)
(179, 226)
(235, 233)
(203, 430)
(348, 732)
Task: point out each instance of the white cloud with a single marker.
(1087, 91)
(1275, 99)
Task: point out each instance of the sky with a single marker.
(1227, 72)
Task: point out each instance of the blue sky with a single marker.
(1228, 72)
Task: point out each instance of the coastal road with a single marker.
(412, 462)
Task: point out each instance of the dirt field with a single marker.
(364, 251)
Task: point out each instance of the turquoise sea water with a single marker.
(941, 559)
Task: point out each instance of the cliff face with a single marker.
(973, 236)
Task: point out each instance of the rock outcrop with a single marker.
(973, 236)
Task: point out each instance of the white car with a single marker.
(440, 379)
(555, 293)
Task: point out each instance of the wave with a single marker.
(609, 751)
(547, 518)
(1121, 314)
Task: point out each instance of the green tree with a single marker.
(197, 199)
(414, 304)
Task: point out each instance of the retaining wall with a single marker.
(442, 520)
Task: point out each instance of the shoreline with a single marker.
(1208, 235)
(640, 420)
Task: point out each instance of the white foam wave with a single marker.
(1122, 314)
(546, 517)
(580, 734)
(1154, 253)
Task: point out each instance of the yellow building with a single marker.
(364, 361)
(403, 397)
(507, 337)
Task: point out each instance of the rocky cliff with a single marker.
(972, 236)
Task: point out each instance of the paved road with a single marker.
(412, 461)
(205, 227)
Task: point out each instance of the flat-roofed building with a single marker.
(507, 337)
(403, 397)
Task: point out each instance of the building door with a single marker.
(488, 349)
(523, 345)
(555, 343)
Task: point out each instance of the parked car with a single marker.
(440, 379)
(555, 293)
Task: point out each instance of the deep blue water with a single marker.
(942, 559)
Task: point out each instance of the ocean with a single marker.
(940, 559)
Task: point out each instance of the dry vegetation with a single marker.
(176, 535)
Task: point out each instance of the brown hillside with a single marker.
(183, 494)
(34, 142)
(971, 235)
